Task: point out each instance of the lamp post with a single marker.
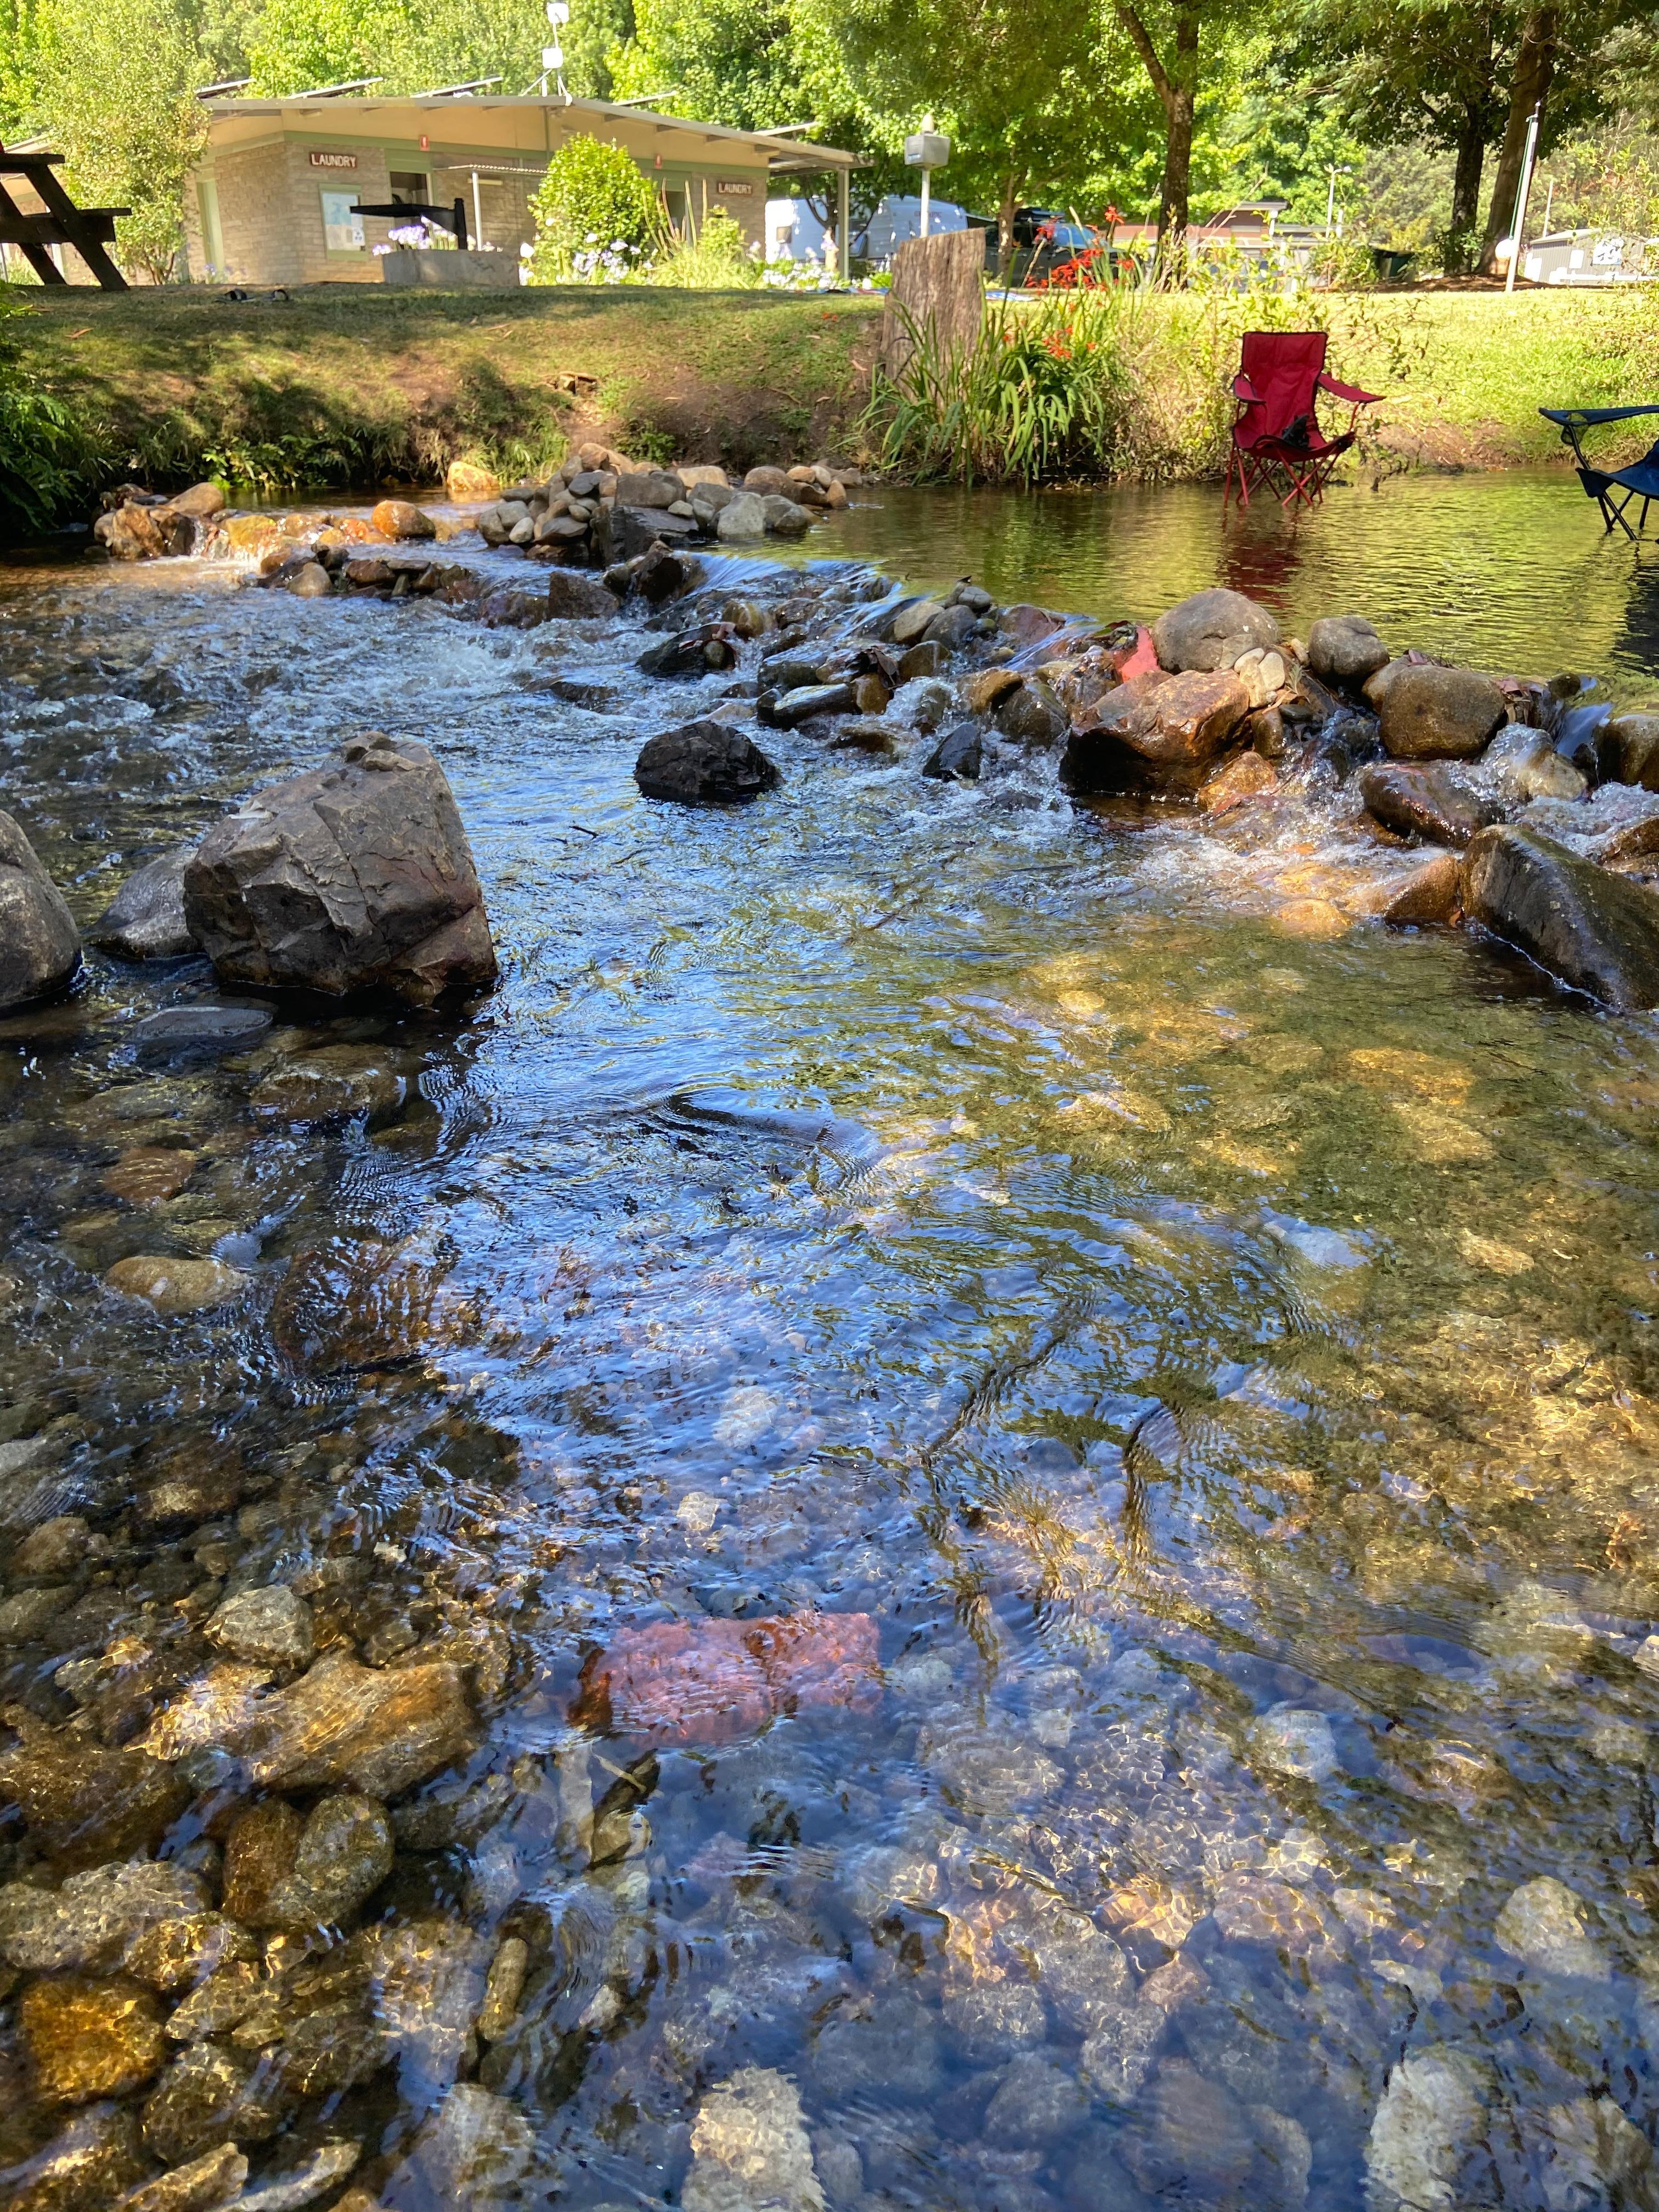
(1330, 197)
(926, 149)
(1523, 193)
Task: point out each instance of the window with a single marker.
(409, 188)
(342, 227)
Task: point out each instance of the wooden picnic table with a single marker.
(89, 230)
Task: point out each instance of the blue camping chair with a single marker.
(1612, 489)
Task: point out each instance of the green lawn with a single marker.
(357, 384)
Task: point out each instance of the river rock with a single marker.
(573, 597)
(208, 2097)
(1118, 2054)
(179, 1954)
(1435, 803)
(272, 1624)
(1211, 630)
(1594, 930)
(1157, 729)
(201, 1028)
(54, 1549)
(1246, 776)
(89, 2037)
(1616, 823)
(1292, 1740)
(1429, 712)
(1432, 2113)
(951, 626)
(807, 699)
(710, 1680)
(205, 2184)
(1345, 649)
(1428, 898)
(148, 1173)
(1593, 2155)
(1543, 1924)
(750, 2151)
(401, 517)
(173, 1284)
(145, 920)
(95, 1916)
(87, 2167)
(957, 756)
(84, 1805)
(1630, 747)
(649, 488)
(379, 1730)
(474, 2152)
(328, 2166)
(783, 517)
(354, 876)
(703, 763)
(145, 531)
(1036, 2106)
(337, 1083)
(308, 581)
(1025, 624)
(1522, 764)
(39, 944)
(743, 517)
(259, 1850)
(991, 2020)
(1191, 2137)
(344, 1855)
(1030, 715)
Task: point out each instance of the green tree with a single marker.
(595, 213)
(112, 85)
(412, 45)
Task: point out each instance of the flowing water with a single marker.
(1208, 1334)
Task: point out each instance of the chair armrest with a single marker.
(1347, 392)
(1244, 390)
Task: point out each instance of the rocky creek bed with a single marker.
(954, 1509)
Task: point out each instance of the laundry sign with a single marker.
(334, 161)
(735, 188)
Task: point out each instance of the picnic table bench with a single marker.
(89, 230)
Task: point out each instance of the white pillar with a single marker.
(844, 223)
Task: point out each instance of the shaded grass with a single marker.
(360, 385)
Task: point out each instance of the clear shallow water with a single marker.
(1207, 1304)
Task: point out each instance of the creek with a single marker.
(1214, 1344)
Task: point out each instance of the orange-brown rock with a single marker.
(259, 1853)
(382, 1731)
(90, 2036)
(1428, 898)
(1181, 720)
(1246, 776)
(149, 1173)
(710, 1681)
(82, 1804)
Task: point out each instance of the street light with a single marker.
(926, 149)
(1330, 197)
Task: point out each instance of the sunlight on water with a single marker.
(1219, 1358)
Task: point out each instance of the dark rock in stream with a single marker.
(572, 597)
(1595, 930)
(788, 708)
(1345, 649)
(1031, 716)
(203, 1029)
(691, 654)
(1425, 802)
(39, 944)
(145, 920)
(703, 763)
(1429, 712)
(956, 756)
(356, 876)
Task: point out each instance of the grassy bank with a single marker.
(357, 384)
(349, 386)
(1136, 384)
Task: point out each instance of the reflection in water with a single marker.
(1508, 571)
(1219, 1361)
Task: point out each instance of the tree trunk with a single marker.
(1466, 179)
(1176, 87)
(1006, 208)
(1535, 71)
(1172, 206)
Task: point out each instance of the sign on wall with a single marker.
(342, 227)
(334, 161)
(735, 188)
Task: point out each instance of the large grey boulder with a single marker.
(145, 920)
(356, 876)
(1345, 649)
(1210, 630)
(1428, 713)
(572, 597)
(743, 517)
(1596, 931)
(39, 944)
(703, 763)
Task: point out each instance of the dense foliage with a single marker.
(1410, 113)
(597, 216)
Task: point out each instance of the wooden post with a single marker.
(939, 283)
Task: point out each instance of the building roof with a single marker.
(492, 118)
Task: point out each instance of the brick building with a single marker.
(273, 199)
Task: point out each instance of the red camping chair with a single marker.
(1277, 438)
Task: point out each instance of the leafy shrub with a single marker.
(597, 216)
(716, 258)
(41, 455)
